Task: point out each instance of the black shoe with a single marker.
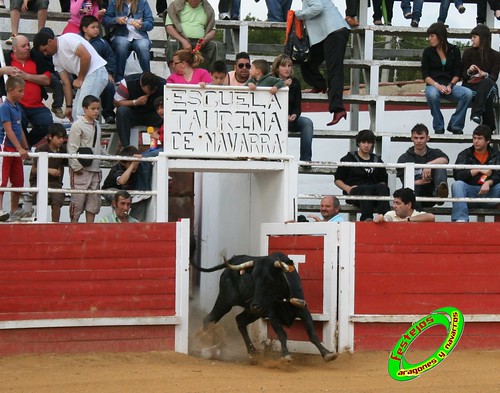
(456, 132)
(438, 131)
(461, 9)
(476, 119)
(414, 23)
(110, 120)
(442, 190)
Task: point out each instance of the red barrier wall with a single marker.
(50, 271)
(417, 268)
(311, 277)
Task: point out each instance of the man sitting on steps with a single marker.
(475, 183)
(428, 182)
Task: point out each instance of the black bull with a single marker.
(266, 286)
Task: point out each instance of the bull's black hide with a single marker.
(263, 286)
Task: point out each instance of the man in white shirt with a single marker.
(73, 54)
(404, 200)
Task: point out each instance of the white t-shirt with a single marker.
(391, 216)
(65, 59)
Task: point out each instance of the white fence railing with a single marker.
(160, 181)
(409, 179)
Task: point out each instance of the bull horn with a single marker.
(281, 265)
(241, 266)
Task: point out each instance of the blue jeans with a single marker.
(445, 5)
(305, 126)
(122, 48)
(93, 84)
(461, 95)
(417, 8)
(460, 189)
(230, 6)
(40, 119)
(277, 10)
(144, 174)
(107, 95)
(56, 89)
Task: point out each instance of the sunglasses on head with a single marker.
(246, 65)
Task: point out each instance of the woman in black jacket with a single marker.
(441, 70)
(480, 67)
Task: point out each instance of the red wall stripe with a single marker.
(85, 271)
(417, 268)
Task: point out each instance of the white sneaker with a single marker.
(4, 216)
(19, 214)
(139, 198)
(224, 16)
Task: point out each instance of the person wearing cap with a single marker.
(404, 211)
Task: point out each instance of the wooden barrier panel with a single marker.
(87, 287)
(311, 247)
(413, 269)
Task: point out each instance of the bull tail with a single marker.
(208, 270)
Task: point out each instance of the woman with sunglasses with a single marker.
(185, 65)
(241, 73)
(283, 68)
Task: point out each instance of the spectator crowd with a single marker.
(86, 74)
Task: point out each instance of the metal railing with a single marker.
(409, 179)
(42, 190)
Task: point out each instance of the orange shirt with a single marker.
(481, 157)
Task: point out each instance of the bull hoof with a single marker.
(253, 358)
(330, 356)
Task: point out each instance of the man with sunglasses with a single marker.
(241, 73)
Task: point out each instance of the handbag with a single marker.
(297, 41)
(85, 162)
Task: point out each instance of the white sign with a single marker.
(225, 121)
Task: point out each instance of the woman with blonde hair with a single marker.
(283, 68)
(129, 22)
(186, 71)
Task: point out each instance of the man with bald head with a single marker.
(329, 209)
(20, 64)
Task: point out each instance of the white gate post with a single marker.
(182, 285)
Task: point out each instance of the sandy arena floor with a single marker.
(463, 371)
